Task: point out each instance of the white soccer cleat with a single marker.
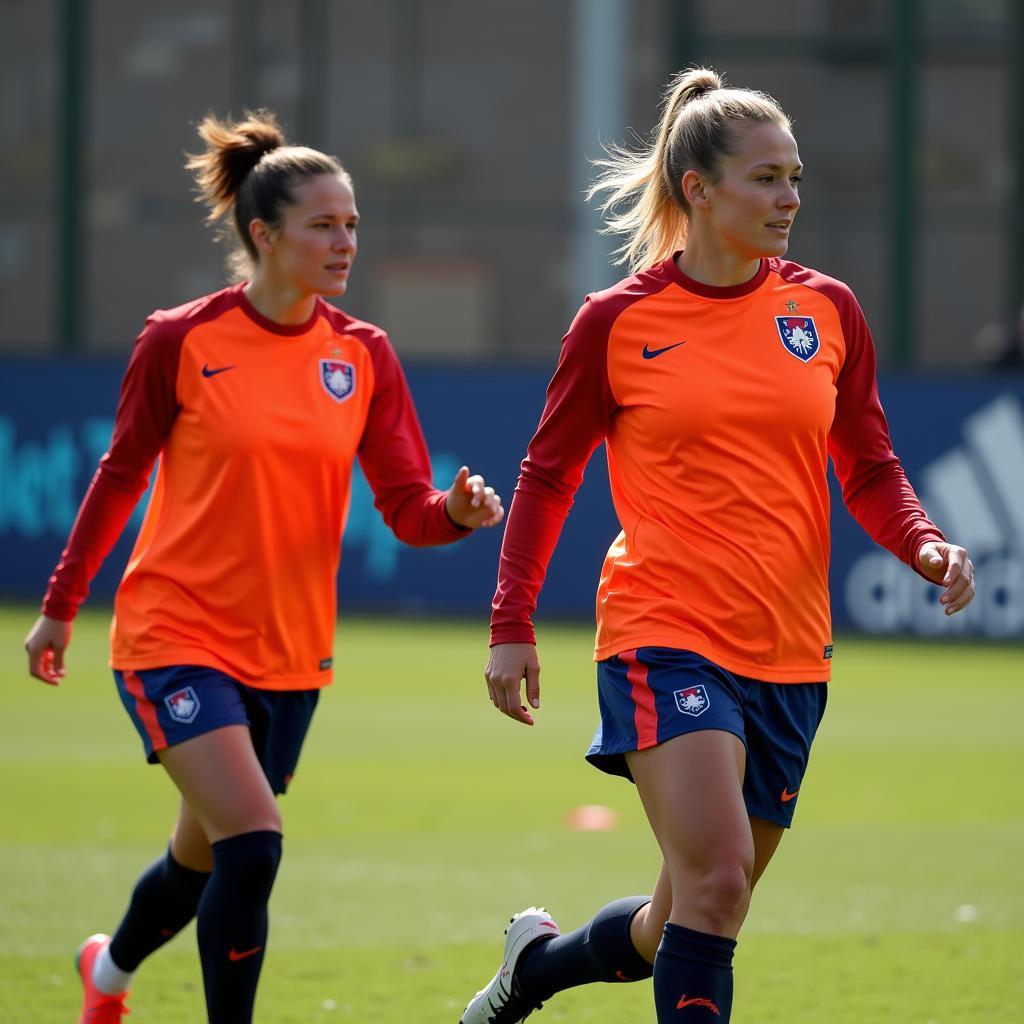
(501, 1001)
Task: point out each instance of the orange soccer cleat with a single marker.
(97, 1006)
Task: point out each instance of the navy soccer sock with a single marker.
(164, 901)
(693, 974)
(232, 923)
(601, 950)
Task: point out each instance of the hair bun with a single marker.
(692, 84)
(233, 149)
(262, 134)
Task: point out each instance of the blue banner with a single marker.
(961, 441)
(962, 445)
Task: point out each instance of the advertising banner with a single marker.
(961, 442)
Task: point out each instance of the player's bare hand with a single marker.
(507, 667)
(948, 565)
(471, 503)
(46, 643)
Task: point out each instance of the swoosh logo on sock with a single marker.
(234, 956)
(697, 1001)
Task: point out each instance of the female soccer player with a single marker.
(257, 400)
(720, 378)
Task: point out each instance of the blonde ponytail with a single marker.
(644, 199)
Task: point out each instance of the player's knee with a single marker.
(724, 894)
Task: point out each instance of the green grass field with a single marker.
(420, 819)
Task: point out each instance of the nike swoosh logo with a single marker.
(787, 796)
(208, 372)
(235, 956)
(652, 353)
(698, 1001)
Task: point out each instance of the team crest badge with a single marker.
(183, 705)
(693, 701)
(799, 336)
(337, 378)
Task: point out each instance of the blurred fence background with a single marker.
(468, 126)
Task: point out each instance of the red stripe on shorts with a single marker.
(645, 717)
(145, 709)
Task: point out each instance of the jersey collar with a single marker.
(710, 291)
(273, 326)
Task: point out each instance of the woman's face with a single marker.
(314, 248)
(752, 205)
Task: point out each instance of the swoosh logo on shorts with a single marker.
(787, 796)
(209, 371)
(653, 353)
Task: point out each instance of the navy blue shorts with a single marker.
(653, 694)
(171, 705)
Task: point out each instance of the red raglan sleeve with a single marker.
(875, 487)
(145, 414)
(395, 460)
(575, 420)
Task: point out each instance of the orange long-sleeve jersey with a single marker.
(257, 426)
(718, 408)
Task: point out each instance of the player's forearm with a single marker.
(889, 511)
(102, 517)
(535, 522)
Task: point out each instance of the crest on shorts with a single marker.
(183, 705)
(337, 378)
(799, 336)
(693, 701)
